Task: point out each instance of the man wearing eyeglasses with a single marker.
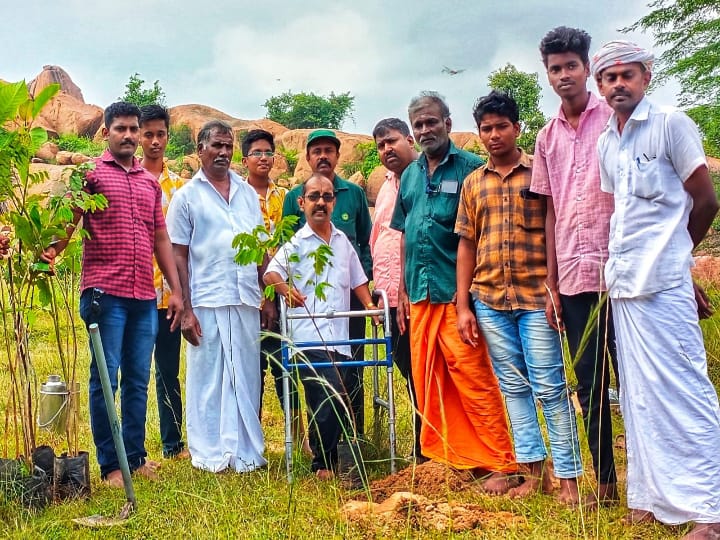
(258, 149)
(221, 320)
(464, 423)
(352, 217)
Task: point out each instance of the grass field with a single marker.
(189, 503)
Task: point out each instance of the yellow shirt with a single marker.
(271, 206)
(169, 184)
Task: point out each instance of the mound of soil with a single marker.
(429, 479)
(405, 509)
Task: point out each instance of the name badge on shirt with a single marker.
(449, 186)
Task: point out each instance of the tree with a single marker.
(525, 90)
(308, 110)
(689, 31)
(135, 92)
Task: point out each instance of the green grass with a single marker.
(85, 145)
(262, 504)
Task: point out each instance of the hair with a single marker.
(154, 112)
(255, 135)
(429, 95)
(213, 126)
(314, 175)
(120, 108)
(390, 124)
(498, 103)
(563, 39)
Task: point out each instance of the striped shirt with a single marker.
(118, 256)
(566, 168)
(506, 222)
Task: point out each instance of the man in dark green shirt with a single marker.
(464, 423)
(352, 217)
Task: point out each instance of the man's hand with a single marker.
(175, 310)
(403, 311)
(467, 327)
(294, 298)
(190, 327)
(268, 315)
(705, 310)
(553, 310)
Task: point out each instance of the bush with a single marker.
(180, 142)
(291, 156)
(69, 142)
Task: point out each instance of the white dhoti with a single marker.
(669, 406)
(223, 390)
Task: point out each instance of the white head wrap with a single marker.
(618, 52)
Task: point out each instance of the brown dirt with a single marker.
(430, 479)
(405, 509)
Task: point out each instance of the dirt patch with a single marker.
(404, 509)
(429, 479)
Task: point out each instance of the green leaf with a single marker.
(38, 136)
(42, 97)
(12, 95)
(43, 288)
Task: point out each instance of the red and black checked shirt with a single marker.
(118, 256)
(506, 221)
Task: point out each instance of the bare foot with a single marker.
(636, 516)
(182, 454)
(497, 484)
(608, 494)
(114, 479)
(152, 465)
(324, 474)
(146, 471)
(537, 479)
(569, 494)
(704, 531)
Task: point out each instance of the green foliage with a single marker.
(291, 156)
(308, 110)
(689, 33)
(71, 142)
(526, 91)
(137, 93)
(252, 247)
(369, 160)
(180, 142)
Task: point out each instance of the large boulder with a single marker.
(374, 183)
(467, 140)
(55, 74)
(47, 151)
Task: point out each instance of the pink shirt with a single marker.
(385, 242)
(565, 167)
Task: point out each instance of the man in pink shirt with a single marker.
(577, 225)
(396, 149)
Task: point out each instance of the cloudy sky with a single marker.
(233, 55)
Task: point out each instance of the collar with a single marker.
(640, 114)
(452, 150)
(593, 103)
(306, 232)
(107, 157)
(339, 183)
(524, 161)
(235, 180)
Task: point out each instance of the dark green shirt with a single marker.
(425, 211)
(351, 216)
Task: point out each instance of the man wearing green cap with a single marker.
(351, 216)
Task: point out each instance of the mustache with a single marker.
(324, 162)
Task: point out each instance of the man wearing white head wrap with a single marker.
(652, 160)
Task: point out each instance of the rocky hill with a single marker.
(68, 113)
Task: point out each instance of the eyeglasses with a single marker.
(258, 154)
(315, 197)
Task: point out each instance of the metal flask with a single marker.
(54, 397)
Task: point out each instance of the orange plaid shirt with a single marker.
(169, 184)
(506, 222)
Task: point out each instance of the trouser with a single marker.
(127, 330)
(401, 358)
(592, 370)
(327, 407)
(167, 385)
(270, 354)
(352, 377)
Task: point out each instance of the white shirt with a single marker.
(343, 273)
(645, 168)
(200, 218)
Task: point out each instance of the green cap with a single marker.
(323, 134)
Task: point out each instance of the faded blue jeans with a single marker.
(127, 330)
(527, 358)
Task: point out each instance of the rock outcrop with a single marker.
(55, 74)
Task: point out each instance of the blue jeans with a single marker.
(127, 329)
(527, 359)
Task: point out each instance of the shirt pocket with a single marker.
(445, 207)
(646, 182)
(531, 210)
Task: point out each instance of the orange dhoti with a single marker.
(463, 413)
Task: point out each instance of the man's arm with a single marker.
(293, 297)
(166, 262)
(466, 322)
(189, 325)
(363, 294)
(403, 309)
(363, 228)
(49, 253)
(553, 309)
(268, 313)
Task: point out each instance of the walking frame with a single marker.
(289, 364)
